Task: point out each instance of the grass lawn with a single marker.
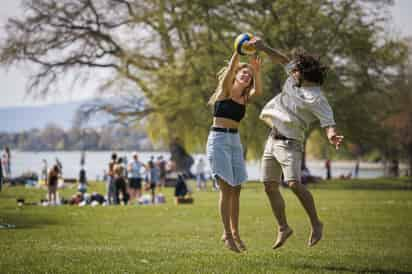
(368, 229)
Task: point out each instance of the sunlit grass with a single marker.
(368, 229)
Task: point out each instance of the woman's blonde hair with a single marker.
(221, 76)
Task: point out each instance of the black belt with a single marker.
(277, 136)
(222, 129)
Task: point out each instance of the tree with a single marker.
(398, 142)
(168, 53)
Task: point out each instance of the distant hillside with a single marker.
(17, 119)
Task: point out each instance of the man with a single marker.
(289, 114)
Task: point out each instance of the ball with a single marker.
(241, 46)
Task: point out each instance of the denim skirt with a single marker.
(225, 154)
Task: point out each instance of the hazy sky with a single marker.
(13, 81)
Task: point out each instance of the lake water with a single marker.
(96, 163)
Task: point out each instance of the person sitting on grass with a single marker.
(182, 192)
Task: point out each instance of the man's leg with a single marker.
(271, 175)
(306, 199)
(278, 208)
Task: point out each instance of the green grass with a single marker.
(368, 229)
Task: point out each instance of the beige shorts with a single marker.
(281, 156)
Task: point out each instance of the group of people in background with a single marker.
(125, 181)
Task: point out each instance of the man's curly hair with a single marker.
(310, 67)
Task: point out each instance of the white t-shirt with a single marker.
(200, 167)
(295, 108)
(135, 171)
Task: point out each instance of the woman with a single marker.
(237, 84)
(52, 180)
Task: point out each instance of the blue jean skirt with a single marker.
(225, 154)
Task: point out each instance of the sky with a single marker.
(13, 81)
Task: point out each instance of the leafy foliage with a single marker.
(169, 52)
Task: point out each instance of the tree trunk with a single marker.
(409, 172)
(183, 160)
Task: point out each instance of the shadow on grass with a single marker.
(24, 221)
(366, 184)
(350, 269)
(354, 184)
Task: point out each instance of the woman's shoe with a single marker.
(230, 243)
(223, 238)
(240, 244)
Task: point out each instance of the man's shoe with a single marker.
(283, 235)
(315, 235)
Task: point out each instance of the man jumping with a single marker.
(289, 115)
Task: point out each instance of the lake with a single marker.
(96, 163)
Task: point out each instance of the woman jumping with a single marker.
(238, 82)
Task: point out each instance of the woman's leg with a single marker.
(234, 217)
(225, 213)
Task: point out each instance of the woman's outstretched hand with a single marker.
(255, 62)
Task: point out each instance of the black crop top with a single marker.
(229, 109)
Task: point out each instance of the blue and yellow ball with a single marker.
(241, 46)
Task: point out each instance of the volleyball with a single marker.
(240, 45)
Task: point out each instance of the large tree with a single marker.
(168, 52)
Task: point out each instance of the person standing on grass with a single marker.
(356, 169)
(328, 169)
(120, 182)
(52, 180)
(110, 188)
(6, 159)
(1, 176)
(161, 164)
(238, 83)
(289, 115)
(134, 174)
(153, 178)
(200, 174)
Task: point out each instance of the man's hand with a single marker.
(257, 43)
(333, 137)
(275, 56)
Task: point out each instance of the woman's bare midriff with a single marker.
(225, 123)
